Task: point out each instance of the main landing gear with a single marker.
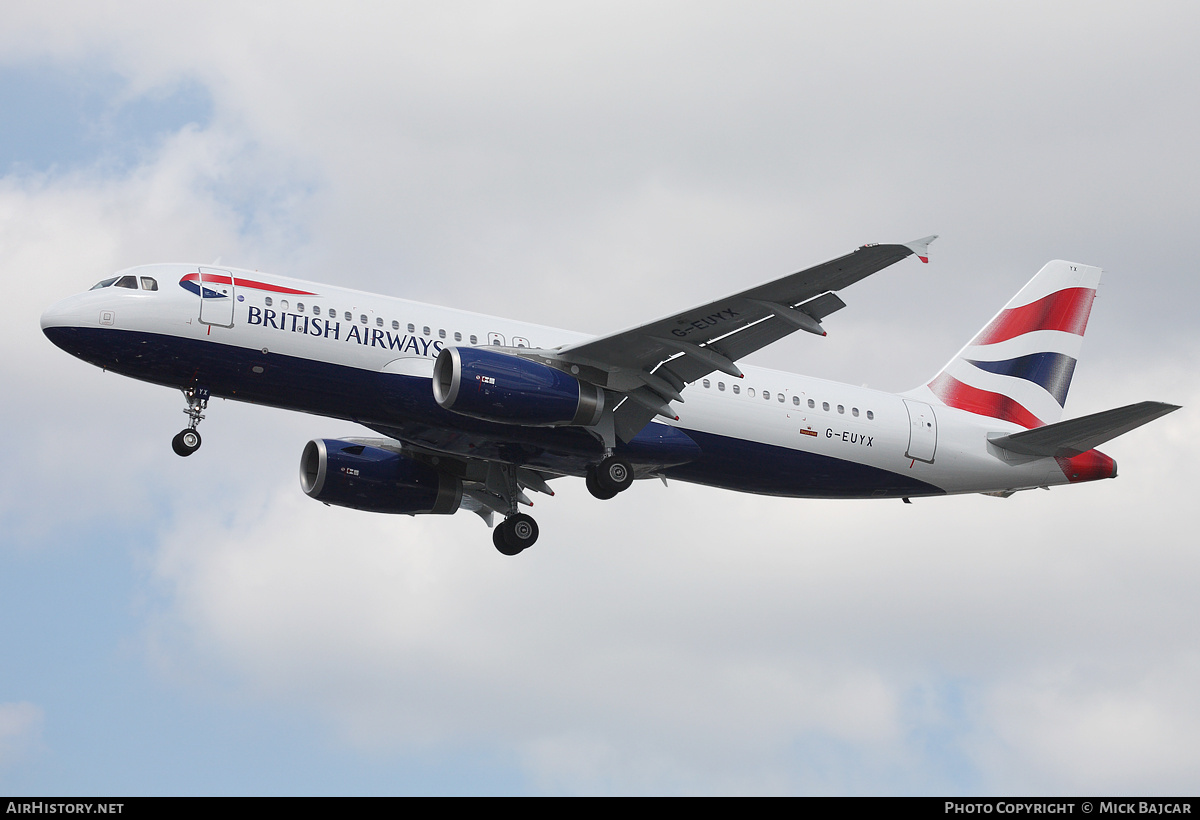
(501, 493)
(188, 440)
(611, 476)
(516, 534)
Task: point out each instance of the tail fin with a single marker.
(1019, 367)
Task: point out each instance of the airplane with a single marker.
(476, 410)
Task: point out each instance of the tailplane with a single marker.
(1019, 367)
(1067, 439)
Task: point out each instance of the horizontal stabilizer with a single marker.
(1070, 438)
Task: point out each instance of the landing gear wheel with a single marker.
(613, 475)
(500, 542)
(594, 487)
(516, 534)
(186, 442)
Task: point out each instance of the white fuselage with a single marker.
(271, 323)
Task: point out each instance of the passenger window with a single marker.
(316, 310)
(441, 333)
(721, 386)
(825, 406)
(378, 321)
(425, 330)
(412, 328)
(750, 392)
(737, 388)
(812, 404)
(127, 282)
(796, 400)
(767, 395)
(149, 284)
(332, 313)
(495, 339)
(854, 412)
(474, 339)
(268, 301)
(395, 325)
(299, 307)
(870, 414)
(349, 317)
(841, 409)
(780, 397)
(283, 304)
(707, 384)
(362, 317)
(457, 336)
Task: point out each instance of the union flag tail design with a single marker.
(1019, 367)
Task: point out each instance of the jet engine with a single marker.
(361, 477)
(495, 386)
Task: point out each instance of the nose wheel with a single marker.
(516, 534)
(188, 440)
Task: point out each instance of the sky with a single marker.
(199, 626)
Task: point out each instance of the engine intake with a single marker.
(501, 387)
(361, 477)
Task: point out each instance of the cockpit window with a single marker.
(127, 282)
(103, 283)
(149, 284)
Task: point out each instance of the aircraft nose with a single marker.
(64, 313)
(54, 316)
(60, 320)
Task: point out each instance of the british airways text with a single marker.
(332, 329)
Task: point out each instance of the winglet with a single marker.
(921, 247)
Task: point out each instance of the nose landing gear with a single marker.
(188, 440)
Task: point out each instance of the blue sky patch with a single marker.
(63, 118)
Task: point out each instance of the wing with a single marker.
(651, 364)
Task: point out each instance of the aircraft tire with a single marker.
(594, 487)
(515, 535)
(186, 442)
(501, 542)
(614, 474)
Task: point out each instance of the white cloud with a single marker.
(569, 167)
(687, 639)
(20, 731)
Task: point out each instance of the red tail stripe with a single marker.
(1067, 310)
(993, 405)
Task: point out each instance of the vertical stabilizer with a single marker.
(1019, 367)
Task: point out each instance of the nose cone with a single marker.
(61, 321)
(1090, 466)
(56, 315)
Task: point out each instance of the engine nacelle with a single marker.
(487, 384)
(360, 477)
